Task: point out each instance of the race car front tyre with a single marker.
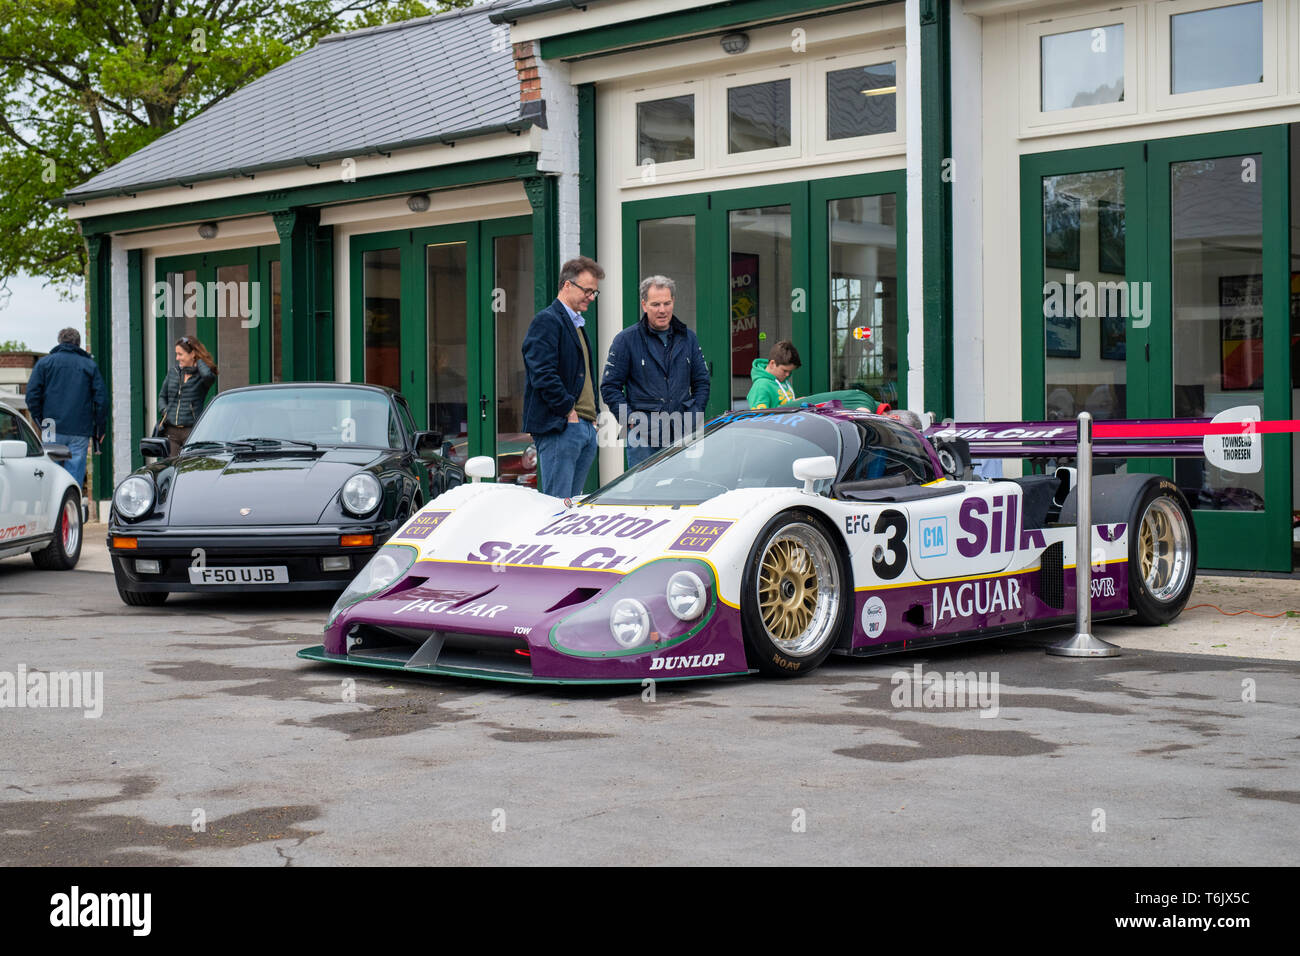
(795, 597)
(1161, 553)
(63, 552)
(142, 598)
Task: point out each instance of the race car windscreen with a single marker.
(323, 416)
(740, 450)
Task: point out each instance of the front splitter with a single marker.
(318, 653)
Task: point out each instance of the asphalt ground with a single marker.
(217, 746)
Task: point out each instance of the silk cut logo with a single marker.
(700, 536)
(423, 525)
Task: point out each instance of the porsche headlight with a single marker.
(134, 497)
(686, 596)
(629, 622)
(389, 563)
(361, 494)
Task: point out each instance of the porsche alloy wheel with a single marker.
(794, 595)
(1162, 553)
(63, 552)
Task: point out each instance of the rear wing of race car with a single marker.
(1112, 438)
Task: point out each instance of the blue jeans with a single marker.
(565, 457)
(77, 444)
(638, 453)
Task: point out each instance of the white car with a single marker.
(40, 503)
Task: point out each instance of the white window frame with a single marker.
(1031, 52)
(798, 116)
(632, 169)
(886, 142)
(1166, 99)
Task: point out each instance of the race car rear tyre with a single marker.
(795, 595)
(142, 598)
(63, 552)
(1161, 553)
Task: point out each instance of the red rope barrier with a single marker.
(1183, 430)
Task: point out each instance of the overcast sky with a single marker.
(34, 313)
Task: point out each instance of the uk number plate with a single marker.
(279, 574)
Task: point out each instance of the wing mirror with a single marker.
(481, 466)
(154, 448)
(428, 441)
(812, 470)
(13, 449)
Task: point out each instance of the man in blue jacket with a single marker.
(66, 388)
(656, 381)
(560, 402)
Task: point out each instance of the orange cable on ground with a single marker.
(1235, 613)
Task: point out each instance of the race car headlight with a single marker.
(636, 615)
(686, 595)
(134, 497)
(389, 563)
(361, 494)
(629, 622)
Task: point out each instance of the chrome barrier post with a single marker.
(1083, 644)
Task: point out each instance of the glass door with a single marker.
(510, 312)
(1220, 263)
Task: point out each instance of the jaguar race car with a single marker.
(772, 540)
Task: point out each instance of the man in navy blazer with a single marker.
(561, 396)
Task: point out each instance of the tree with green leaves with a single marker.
(85, 83)
(13, 345)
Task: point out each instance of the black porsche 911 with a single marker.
(289, 487)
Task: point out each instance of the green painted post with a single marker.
(296, 229)
(936, 206)
(100, 335)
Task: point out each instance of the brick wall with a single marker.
(530, 84)
(19, 359)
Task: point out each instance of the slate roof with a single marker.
(406, 84)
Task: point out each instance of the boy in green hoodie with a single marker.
(771, 387)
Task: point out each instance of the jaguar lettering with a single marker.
(975, 597)
(448, 607)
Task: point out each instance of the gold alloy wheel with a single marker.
(798, 589)
(1164, 549)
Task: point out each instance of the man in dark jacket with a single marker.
(66, 390)
(656, 381)
(560, 403)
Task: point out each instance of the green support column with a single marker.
(297, 228)
(542, 195)
(135, 336)
(323, 313)
(587, 244)
(936, 205)
(98, 289)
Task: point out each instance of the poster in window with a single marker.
(1061, 231)
(744, 312)
(1241, 332)
(1110, 237)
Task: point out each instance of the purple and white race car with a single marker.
(772, 540)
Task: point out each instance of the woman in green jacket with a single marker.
(185, 389)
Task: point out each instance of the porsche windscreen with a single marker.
(736, 451)
(321, 416)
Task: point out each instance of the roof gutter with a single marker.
(249, 172)
(537, 9)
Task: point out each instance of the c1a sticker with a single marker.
(423, 525)
(700, 536)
